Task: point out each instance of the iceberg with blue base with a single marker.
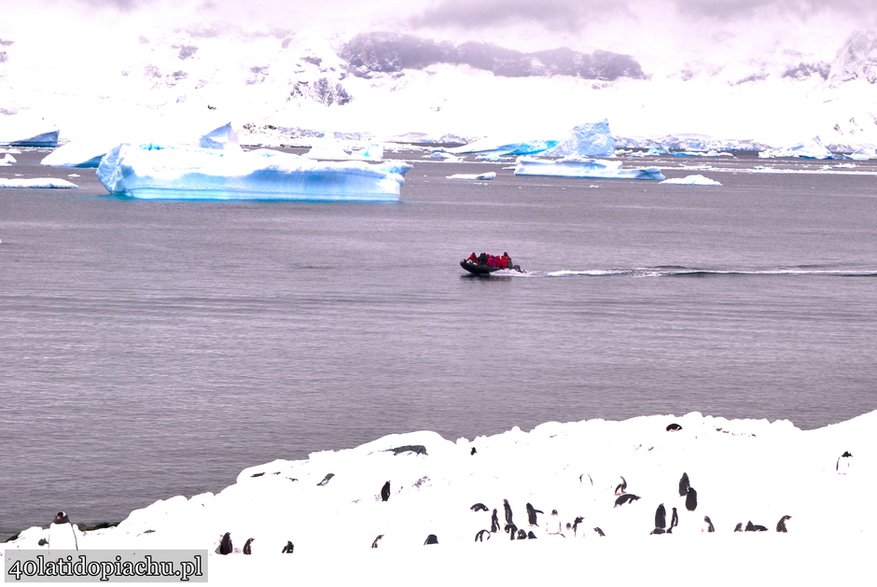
(583, 168)
(592, 139)
(185, 172)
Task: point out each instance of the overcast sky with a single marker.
(647, 29)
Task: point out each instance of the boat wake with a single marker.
(683, 271)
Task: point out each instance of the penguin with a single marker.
(626, 498)
(290, 547)
(750, 527)
(225, 545)
(248, 549)
(531, 514)
(684, 484)
(479, 507)
(376, 540)
(709, 525)
(691, 499)
(494, 521)
(325, 479)
(738, 527)
(599, 531)
(511, 530)
(674, 427)
(522, 534)
(621, 487)
(674, 519)
(553, 526)
(575, 524)
(658, 531)
(781, 525)
(385, 491)
(482, 535)
(63, 535)
(661, 517)
(508, 511)
(431, 539)
(473, 451)
(843, 463)
(530, 535)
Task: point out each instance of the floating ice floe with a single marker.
(696, 179)
(812, 149)
(444, 156)
(87, 153)
(36, 182)
(7, 160)
(585, 168)
(331, 150)
(474, 176)
(183, 172)
(20, 132)
(591, 139)
(77, 154)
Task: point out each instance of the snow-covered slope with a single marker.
(282, 82)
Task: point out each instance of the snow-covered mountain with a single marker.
(298, 82)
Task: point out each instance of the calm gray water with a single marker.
(151, 349)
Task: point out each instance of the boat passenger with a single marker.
(506, 261)
(473, 258)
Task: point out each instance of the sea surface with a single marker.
(153, 349)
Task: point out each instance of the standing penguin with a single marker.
(494, 521)
(553, 523)
(674, 520)
(531, 514)
(691, 500)
(248, 548)
(661, 517)
(225, 545)
(684, 484)
(385, 491)
(843, 463)
(781, 525)
(63, 535)
(710, 527)
(508, 512)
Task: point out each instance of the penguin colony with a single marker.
(666, 516)
(659, 521)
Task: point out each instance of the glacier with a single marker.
(583, 168)
(187, 172)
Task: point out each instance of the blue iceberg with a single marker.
(583, 168)
(591, 139)
(48, 138)
(186, 172)
(88, 153)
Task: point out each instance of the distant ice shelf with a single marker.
(183, 172)
(583, 168)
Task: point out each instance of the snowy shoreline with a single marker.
(405, 487)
